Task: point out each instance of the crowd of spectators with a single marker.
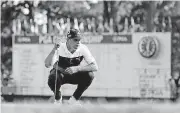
(60, 26)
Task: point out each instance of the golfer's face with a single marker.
(74, 43)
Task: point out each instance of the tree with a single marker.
(11, 11)
(152, 9)
(147, 9)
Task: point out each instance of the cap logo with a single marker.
(69, 36)
(73, 33)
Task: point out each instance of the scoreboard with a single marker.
(130, 65)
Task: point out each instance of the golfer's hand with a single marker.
(72, 70)
(55, 66)
(56, 46)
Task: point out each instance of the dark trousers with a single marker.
(81, 79)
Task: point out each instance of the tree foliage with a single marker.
(55, 9)
(111, 9)
(144, 9)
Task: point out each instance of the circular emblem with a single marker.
(148, 46)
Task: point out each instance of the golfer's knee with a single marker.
(91, 75)
(86, 82)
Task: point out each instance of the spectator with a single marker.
(76, 23)
(126, 25)
(100, 26)
(81, 25)
(132, 25)
(88, 25)
(168, 24)
(111, 25)
(106, 27)
(62, 26)
(174, 84)
(93, 25)
(67, 25)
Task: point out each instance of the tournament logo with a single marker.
(148, 46)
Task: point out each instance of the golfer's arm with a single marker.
(49, 59)
(90, 67)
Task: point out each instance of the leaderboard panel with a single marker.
(130, 65)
